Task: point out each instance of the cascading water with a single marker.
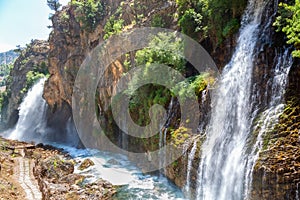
(191, 155)
(223, 164)
(163, 135)
(269, 118)
(189, 166)
(31, 123)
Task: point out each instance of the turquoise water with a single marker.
(117, 169)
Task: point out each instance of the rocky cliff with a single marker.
(31, 62)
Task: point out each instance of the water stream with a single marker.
(223, 164)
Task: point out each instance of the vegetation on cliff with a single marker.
(89, 13)
(216, 19)
(288, 22)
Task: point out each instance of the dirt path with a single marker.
(27, 181)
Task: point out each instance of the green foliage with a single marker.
(215, 18)
(2, 96)
(288, 22)
(38, 72)
(231, 27)
(163, 49)
(191, 86)
(65, 17)
(5, 69)
(89, 12)
(138, 10)
(193, 18)
(158, 21)
(32, 77)
(113, 26)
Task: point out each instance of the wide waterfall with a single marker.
(31, 124)
(223, 164)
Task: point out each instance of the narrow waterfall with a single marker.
(223, 162)
(189, 166)
(31, 124)
(269, 118)
(163, 135)
(191, 155)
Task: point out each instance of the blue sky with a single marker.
(23, 20)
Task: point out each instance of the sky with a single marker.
(23, 20)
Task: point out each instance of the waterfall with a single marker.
(222, 167)
(32, 112)
(269, 118)
(189, 167)
(123, 139)
(191, 155)
(163, 135)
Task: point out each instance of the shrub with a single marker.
(288, 22)
(112, 26)
(89, 13)
(158, 21)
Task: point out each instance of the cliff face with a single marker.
(277, 171)
(33, 58)
(70, 42)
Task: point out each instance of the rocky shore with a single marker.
(51, 171)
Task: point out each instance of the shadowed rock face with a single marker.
(277, 171)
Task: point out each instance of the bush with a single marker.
(31, 78)
(232, 27)
(191, 23)
(288, 22)
(112, 26)
(158, 21)
(217, 19)
(163, 49)
(191, 86)
(89, 13)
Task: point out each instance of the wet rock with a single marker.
(57, 180)
(55, 167)
(86, 164)
(113, 162)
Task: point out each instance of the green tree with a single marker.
(288, 22)
(53, 4)
(89, 12)
(113, 26)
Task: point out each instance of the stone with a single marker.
(113, 162)
(86, 164)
